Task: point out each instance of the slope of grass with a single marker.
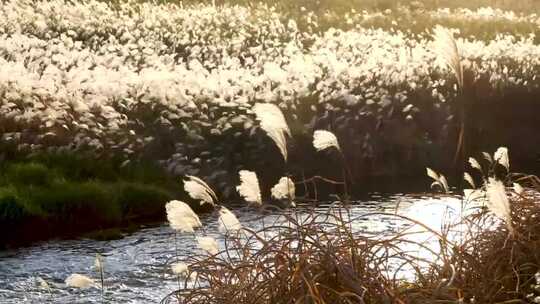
(73, 194)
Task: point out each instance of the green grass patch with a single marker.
(29, 174)
(75, 191)
(12, 208)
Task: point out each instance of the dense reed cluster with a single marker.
(486, 253)
(178, 84)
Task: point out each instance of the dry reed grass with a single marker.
(318, 258)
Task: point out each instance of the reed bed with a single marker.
(178, 84)
(318, 257)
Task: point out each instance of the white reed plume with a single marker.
(501, 156)
(468, 178)
(98, 262)
(284, 189)
(79, 281)
(487, 157)
(498, 202)
(180, 268)
(181, 217)
(208, 244)
(434, 175)
(228, 221)
(323, 140)
(475, 164)
(274, 124)
(199, 190)
(249, 187)
(42, 283)
(446, 47)
(471, 195)
(444, 183)
(518, 189)
(439, 179)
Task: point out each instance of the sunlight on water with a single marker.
(136, 268)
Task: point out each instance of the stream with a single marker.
(136, 268)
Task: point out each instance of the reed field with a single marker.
(116, 113)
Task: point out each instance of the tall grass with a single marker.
(347, 5)
(319, 259)
(489, 253)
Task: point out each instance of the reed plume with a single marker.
(323, 140)
(199, 190)
(249, 187)
(439, 180)
(208, 244)
(501, 157)
(284, 189)
(446, 48)
(274, 124)
(475, 164)
(79, 281)
(468, 178)
(498, 202)
(181, 217)
(179, 268)
(227, 221)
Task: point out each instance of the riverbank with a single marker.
(64, 196)
(149, 80)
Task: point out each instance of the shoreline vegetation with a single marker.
(173, 101)
(52, 196)
(176, 86)
(104, 112)
(484, 251)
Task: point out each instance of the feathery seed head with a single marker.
(284, 189)
(228, 221)
(468, 178)
(501, 157)
(475, 164)
(208, 244)
(249, 187)
(199, 190)
(323, 140)
(181, 217)
(447, 49)
(498, 202)
(79, 281)
(274, 124)
(180, 268)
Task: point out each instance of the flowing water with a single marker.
(136, 268)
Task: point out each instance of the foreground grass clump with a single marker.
(317, 257)
(73, 195)
(491, 266)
